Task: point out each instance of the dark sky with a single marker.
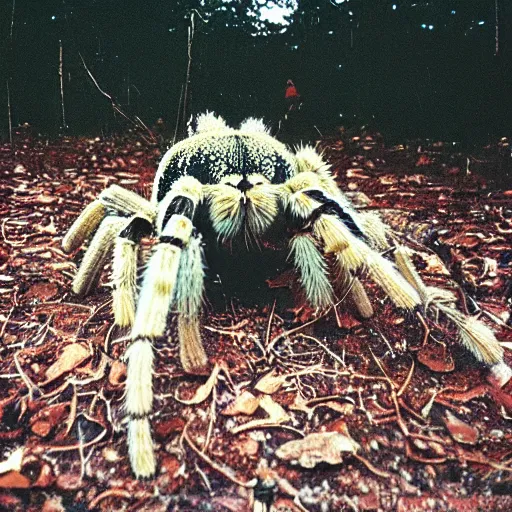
(419, 69)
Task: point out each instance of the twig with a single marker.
(12, 18)
(61, 77)
(381, 368)
(117, 493)
(177, 117)
(114, 104)
(407, 381)
(324, 347)
(372, 468)
(269, 323)
(30, 385)
(9, 113)
(189, 66)
(214, 465)
(79, 446)
(212, 419)
(4, 326)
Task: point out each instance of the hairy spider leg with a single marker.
(340, 229)
(473, 334)
(313, 270)
(124, 269)
(160, 283)
(340, 232)
(95, 257)
(115, 199)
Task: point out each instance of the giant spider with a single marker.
(240, 185)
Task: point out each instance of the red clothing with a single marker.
(291, 92)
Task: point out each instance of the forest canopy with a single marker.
(413, 68)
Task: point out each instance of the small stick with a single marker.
(407, 381)
(372, 468)
(269, 324)
(330, 352)
(214, 465)
(381, 367)
(30, 385)
(426, 327)
(9, 113)
(117, 493)
(61, 76)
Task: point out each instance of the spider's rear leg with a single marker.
(115, 198)
(96, 255)
(124, 269)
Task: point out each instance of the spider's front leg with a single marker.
(356, 240)
(328, 220)
(174, 276)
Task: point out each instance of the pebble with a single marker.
(363, 488)
(374, 445)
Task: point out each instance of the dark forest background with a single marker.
(438, 68)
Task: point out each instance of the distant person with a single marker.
(291, 97)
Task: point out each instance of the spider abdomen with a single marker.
(209, 157)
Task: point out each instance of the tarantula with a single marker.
(243, 187)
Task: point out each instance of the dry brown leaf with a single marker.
(13, 461)
(246, 403)
(270, 383)
(42, 291)
(276, 416)
(117, 374)
(459, 430)
(434, 264)
(72, 356)
(301, 405)
(437, 358)
(203, 391)
(345, 408)
(275, 412)
(45, 420)
(14, 480)
(326, 447)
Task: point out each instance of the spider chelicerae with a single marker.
(239, 188)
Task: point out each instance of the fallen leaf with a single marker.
(117, 374)
(48, 418)
(247, 447)
(246, 403)
(14, 480)
(72, 356)
(326, 447)
(13, 461)
(437, 358)
(42, 291)
(270, 383)
(459, 430)
(203, 391)
(276, 416)
(275, 412)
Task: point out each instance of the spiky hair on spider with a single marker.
(239, 188)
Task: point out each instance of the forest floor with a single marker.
(403, 421)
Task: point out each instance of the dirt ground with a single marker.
(392, 419)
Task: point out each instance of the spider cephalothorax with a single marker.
(239, 185)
